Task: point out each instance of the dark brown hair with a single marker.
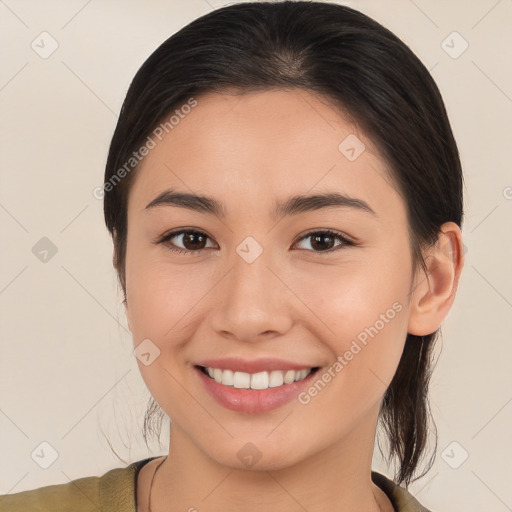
(362, 69)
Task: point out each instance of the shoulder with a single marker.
(113, 491)
(80, 495)
(401, 499)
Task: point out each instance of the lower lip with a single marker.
(253, 401)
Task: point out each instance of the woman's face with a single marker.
(262, 283)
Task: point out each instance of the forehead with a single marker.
(266, 144)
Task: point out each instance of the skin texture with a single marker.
(293, 302)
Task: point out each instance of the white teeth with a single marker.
(217, 375)
(241, 380)
(227, 378)
(275, 379)
(261, 380)
(301, 374)
(289, 376)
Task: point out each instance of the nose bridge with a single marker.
(250, 277)
(252, 299)
(251, 282)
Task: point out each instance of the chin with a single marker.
(256, 456)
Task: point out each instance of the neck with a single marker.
(337, 478)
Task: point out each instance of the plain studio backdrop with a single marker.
(70, 384)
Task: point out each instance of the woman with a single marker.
(284, 194)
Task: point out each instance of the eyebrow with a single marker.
(291, 206)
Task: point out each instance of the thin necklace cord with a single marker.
(151, 484)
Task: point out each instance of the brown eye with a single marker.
(324, 241)
(192, 241)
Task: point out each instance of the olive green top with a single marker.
(116, 491)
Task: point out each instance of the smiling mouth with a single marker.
(256, 381)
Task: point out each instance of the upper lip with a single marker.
(253, 366)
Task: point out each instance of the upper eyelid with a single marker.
(172, 234)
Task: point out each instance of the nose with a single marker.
(252, 303)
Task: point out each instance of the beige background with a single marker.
(68, 377)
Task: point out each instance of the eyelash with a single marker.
(345, 241)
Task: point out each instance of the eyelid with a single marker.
(179, 231)
(340, 234)
(171, 234)
(345, 239)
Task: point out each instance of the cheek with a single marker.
(364, 304)
(162, 306)
(161, 296)
(352, 295)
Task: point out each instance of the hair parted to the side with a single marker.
(363, 70)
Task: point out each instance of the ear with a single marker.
(434, 291)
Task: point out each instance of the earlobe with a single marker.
(434, 291)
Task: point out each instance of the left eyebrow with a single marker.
(291, 206)
(300, 204)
